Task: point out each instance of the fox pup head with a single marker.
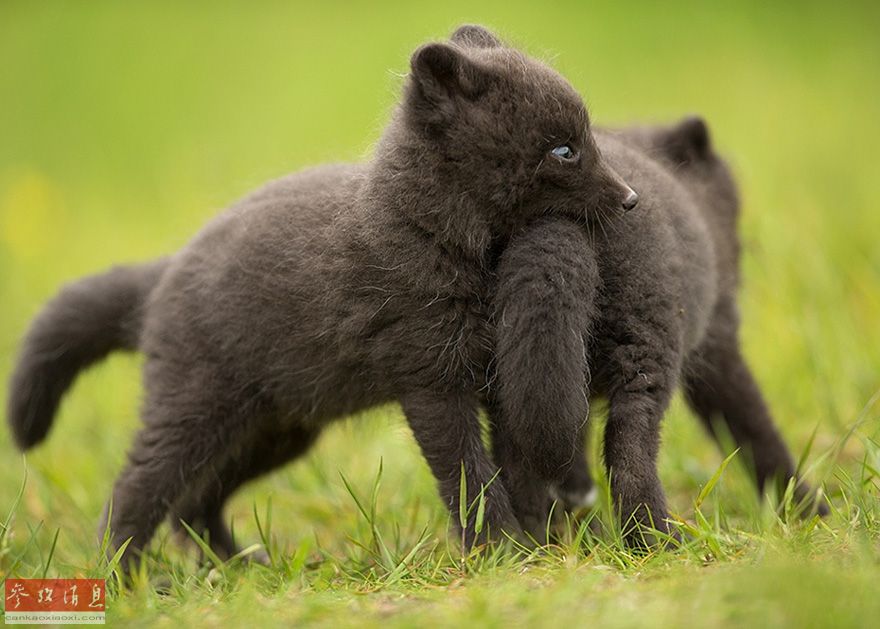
(504, 136)
(687, 147)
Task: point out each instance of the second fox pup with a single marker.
(630, 312)
(330, 291)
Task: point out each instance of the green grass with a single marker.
(124, 127)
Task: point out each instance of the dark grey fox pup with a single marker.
(330, 291)
(628, 310)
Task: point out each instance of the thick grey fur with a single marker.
(331, 291)
(343, 287)
(628, 310)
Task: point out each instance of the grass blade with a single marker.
(51, 552)
(710, 485)
(462, 499)
(204, 547)
(7, 522)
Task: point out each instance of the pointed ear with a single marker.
(689, 140)
(474, 36)
(443, 72)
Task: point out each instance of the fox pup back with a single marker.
(330, 291)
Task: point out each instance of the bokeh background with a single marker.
(125, 126)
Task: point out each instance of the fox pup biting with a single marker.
(330, 291)
(628, 310)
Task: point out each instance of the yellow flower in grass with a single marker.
(31, 209)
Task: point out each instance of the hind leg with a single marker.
(202, 507)
(641, 366)
(719, 386)
(188, 434)
(632, 440)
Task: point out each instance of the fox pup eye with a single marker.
(564, 153)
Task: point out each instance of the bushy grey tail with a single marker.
(83, 323)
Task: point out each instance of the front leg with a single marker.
(447, 429)
(720, 387)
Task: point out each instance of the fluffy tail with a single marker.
(83, 323)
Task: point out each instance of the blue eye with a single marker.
(564, 152)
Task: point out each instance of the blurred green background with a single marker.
(125, 126)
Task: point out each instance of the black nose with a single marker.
(631, 200)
